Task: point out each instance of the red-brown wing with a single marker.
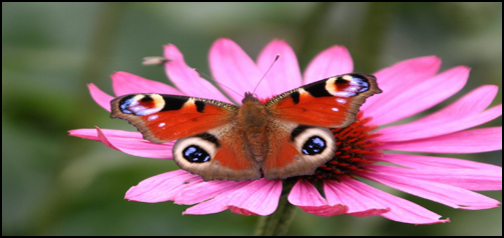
(221, 153)
(297, 150)
(162, 118)
(332, 102)
(218, 154)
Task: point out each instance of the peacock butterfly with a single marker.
(286, 136)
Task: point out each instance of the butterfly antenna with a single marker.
(220, 84)
(264, 75)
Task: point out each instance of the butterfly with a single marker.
(286, 136)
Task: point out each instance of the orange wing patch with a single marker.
(323, 111)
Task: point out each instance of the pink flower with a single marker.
(409, 87)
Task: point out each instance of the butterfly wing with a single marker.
(297, 150)
(332, 102)
(218, 154)
(301, 117)
(208, 142)
(162, 118)
(216, 139)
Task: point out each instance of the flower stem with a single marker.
(278, 223)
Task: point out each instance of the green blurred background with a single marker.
(53, 184)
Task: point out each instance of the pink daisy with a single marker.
(338, 187)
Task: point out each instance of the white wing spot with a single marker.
(153, 117)
(162, 124)
(341, 100)
(335, 109)
(353, 88)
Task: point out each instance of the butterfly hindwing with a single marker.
(299, 150)
(218, 154)
(332, 102)
(223, 153)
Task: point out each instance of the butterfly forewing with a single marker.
(162, 118)
(332, 102)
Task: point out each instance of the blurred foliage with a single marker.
(53, 184)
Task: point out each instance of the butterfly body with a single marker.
(283, 137)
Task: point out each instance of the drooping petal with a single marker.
(306, 196)
(442, 193)
(431, 162)
(424, 129)
(405, 211)
(470, 104)
(470, 141)
(232, 67)
(257, 197)
(454, 172)
(453, 118)
(331, 62)
(284, 74)
(357, 201)
(411, 97)
(138, 147)
(128, 142)
(162, 187)
(92, 134)
(397, 78)
(100, 97)
(186, 78)
(400, 210)
(203, 191)
(126, 83)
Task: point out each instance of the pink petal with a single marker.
(426, 129)
(455, 172)
(162, 187)
(100, 97)
(471, 141)
(257, 197)
(408, 99)
(241, 211)
(397, 78)
(214, 205)
(438, 192)
(358, 201)
(232, 67)
(306, 196)
(463, 114)
(103, 138)
(429, 162)
(206, 190)
(285, 73)
(405, 211)
(126, 83)
(92, 134)
(331, 62)
(128, 142)
(472, 103)
(470, 179)
(401, 210)
(186, 78)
